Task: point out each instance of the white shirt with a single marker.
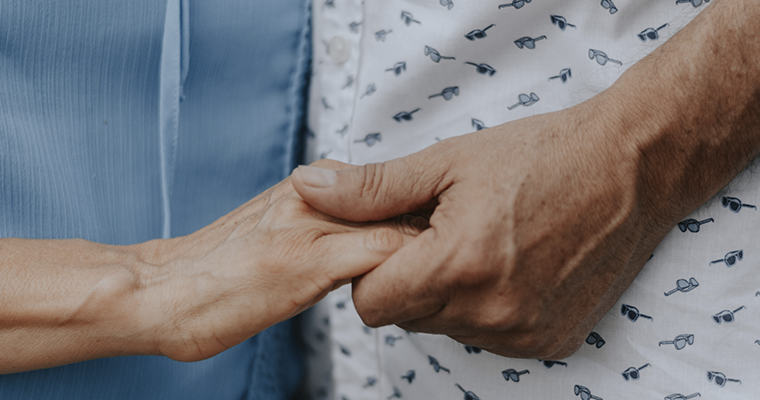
(378, 93)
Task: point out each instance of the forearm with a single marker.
(65, 301)
(690, 111)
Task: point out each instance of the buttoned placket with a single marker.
(338, 27)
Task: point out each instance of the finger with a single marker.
(350, 254)
(375, 192)
(407, 285)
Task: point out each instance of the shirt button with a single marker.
(339, 50)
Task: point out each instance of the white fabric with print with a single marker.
(392, 77)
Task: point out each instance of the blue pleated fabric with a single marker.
(125, 121)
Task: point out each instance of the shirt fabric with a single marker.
(392, 77)
(126, 121)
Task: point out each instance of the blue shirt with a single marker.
(125, 121)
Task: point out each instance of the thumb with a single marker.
(373, 192)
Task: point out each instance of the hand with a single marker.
(265, 262)
(538, 227)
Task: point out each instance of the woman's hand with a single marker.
(265, 262)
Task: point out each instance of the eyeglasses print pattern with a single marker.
(447, 3)
(525, 100)
(679, 396)
(408, 18)
(390, 340)
(468, 395)
(548, 364)
(405, 115)
(650, 33)
(684, 286)
(720, 379)
(472, 349)
(410, 375)
(695, 3)
(512, 374)
(528, 42)
(601, 57)
(370, 139)
(584, 393)
(382, 34)
(564, 75)
(447, 93)
(680, 341)
(595, 339)
(633, 372)
(692, 225)
(478, 124)
(633, 313)
(609, 5)
(726, 316)
(517, 4)
(483, 69)
(731, 258)
(396, 393)
(436, 365)
(478, 33)
(397, 68)
(734, 204)
(435, 55)
(561, 22)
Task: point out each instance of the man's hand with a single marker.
(539, 225)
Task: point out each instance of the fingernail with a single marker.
(317, 177)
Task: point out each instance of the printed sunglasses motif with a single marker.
(435, 55)
(408, 18)
(601, 57)
(731, 258)
(405, 115)
(633, 372)
(512, 374)
(695, 3)
(585, 393)
(478, 33)
(692, 225)
(561, 22)
(609, 5)
(594, 339)
(680, 341)
(370, 139)
(525, 100)
(650, 33)
(720, 378)
(632, 313)
(734, 204)
(679, 396)
(564, 75)
(726, 316)
(684, 286)
(517, 4)
(483, 68)
(468, 395)
(528, 42)
(447, 93)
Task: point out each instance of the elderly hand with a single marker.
(537, 230)
(263, 263)
(539, 225)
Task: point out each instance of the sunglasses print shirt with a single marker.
(353, 362)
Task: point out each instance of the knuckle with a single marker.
(290, 206)
(373, 180)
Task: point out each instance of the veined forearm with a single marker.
(692, 108)
(65, 301)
